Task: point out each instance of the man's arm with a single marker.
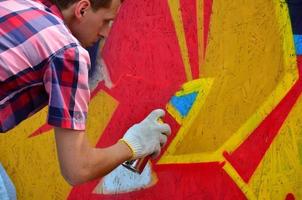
(80, 162)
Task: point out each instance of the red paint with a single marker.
(189, 17)
(145, 65)
(43, 129)
(146, 78)
(290, 196)
(207, 18)
(182, 181)
(247, 157)
(143, 44)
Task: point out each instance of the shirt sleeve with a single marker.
(66, 82)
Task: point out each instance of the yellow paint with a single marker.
(32, 162)
(202, 86)
(173, 112)
(280, 171)
(249, 80)
(168, 158)
(197, 85)
(100, 111)
(290, 77)
(200, 32)
(177, 19)
(239, 181)
(244, 131)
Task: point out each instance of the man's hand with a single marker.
(148, 136)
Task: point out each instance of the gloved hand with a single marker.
(148, 136)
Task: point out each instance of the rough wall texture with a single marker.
(228, 75)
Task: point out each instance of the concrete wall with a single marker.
(228, 74)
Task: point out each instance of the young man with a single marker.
(43, 62)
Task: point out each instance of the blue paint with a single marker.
(184, 103)
(298, 44)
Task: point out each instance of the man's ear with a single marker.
(81, 8)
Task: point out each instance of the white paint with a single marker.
(100, 74)
(122, 180)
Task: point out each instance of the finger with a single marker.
(163, 140)
(156, 153)
(164, 128)
(155, 114)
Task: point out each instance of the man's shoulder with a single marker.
(32, 17)
(44, 29)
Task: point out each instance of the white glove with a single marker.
(148, 136)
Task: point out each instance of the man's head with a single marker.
(88, 20)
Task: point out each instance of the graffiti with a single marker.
(229, 77)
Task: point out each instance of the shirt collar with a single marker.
(52, 8)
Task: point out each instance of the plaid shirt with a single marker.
(40, 63)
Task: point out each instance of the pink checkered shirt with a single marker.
(41, 64)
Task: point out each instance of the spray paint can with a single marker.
(138, 165)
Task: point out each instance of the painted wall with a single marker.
(228, 75)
